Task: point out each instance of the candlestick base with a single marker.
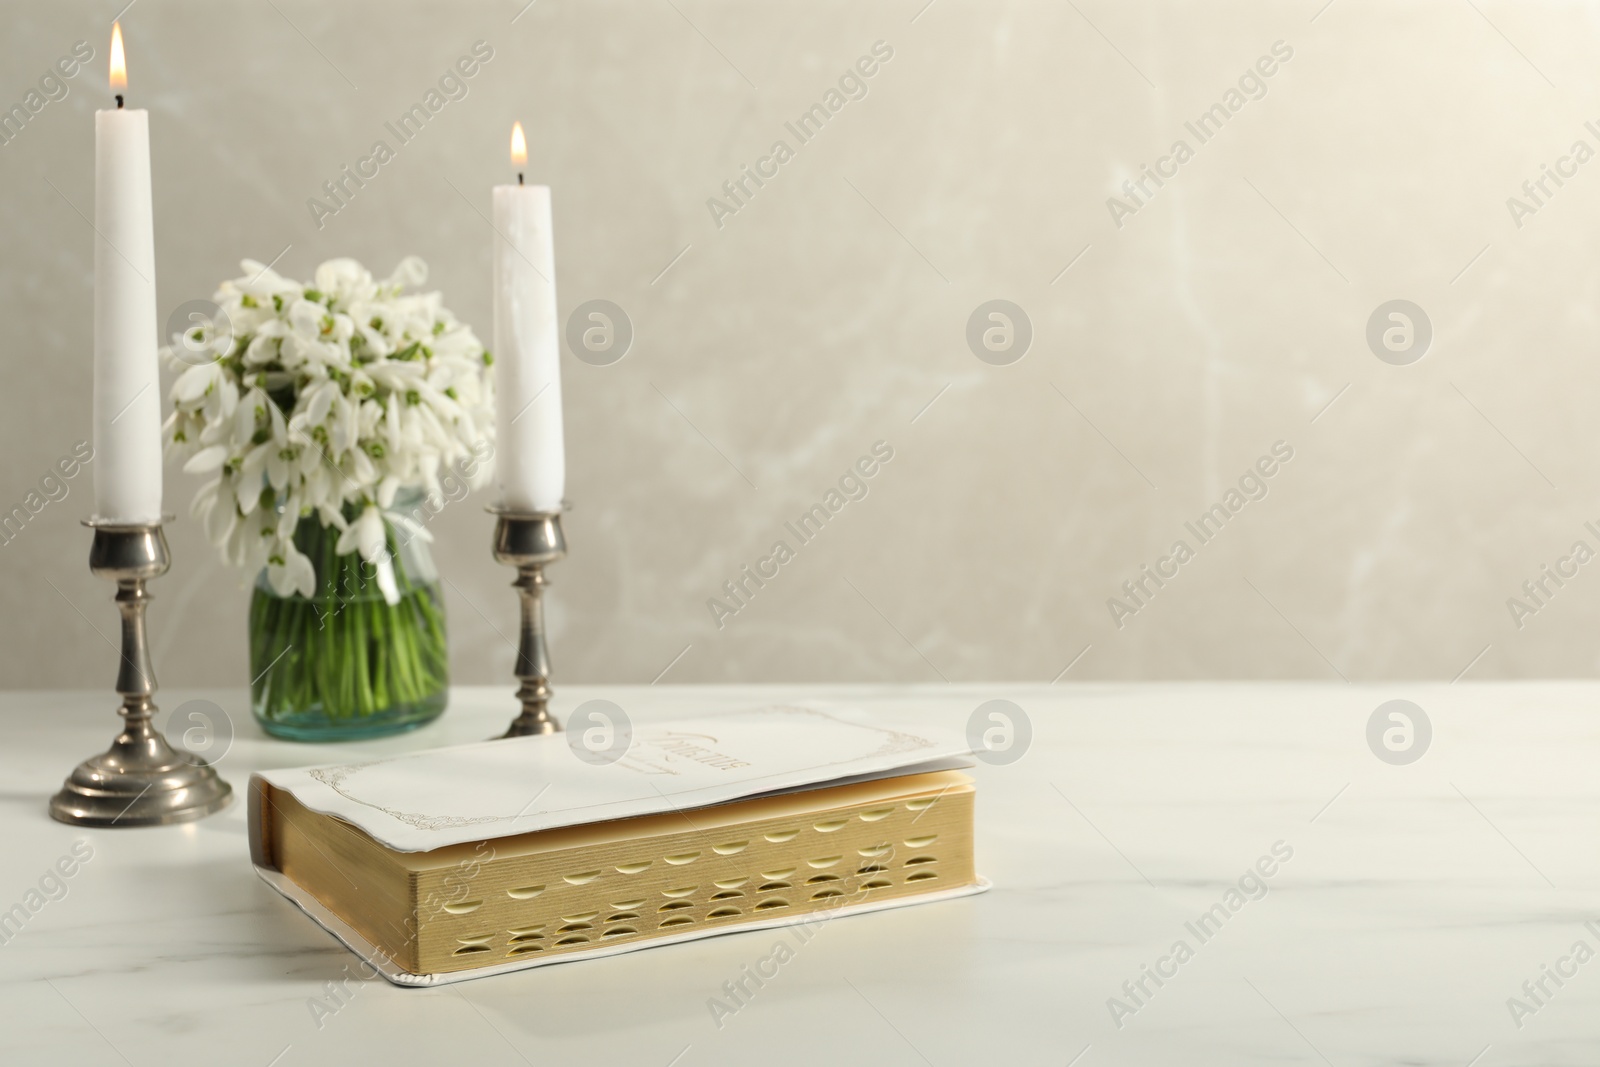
(528, 541)
(141, 780)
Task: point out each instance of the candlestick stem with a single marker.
(529, 541)
(140, 780)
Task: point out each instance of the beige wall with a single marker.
(1220, 318)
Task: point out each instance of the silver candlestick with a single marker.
(141, 780)
(528, 541)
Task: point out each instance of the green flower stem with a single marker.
(345, 653)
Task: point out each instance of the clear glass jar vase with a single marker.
(345, 663)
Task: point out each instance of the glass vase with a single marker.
(345, 663)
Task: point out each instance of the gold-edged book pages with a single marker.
(629, 882)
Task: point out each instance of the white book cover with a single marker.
(448, 796)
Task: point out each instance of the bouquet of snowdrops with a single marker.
(309, 408)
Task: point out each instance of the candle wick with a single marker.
(519, 177)
(119, 100)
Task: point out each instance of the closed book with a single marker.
(478, 859)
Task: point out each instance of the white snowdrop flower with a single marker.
(220, 522)
(207, 460)
(346, 429)
(205, 499)
(365, 535)
(193, 384)
(294, 574)
(345, 280)
(260, 281)
(264, 348)
(361, 470)
(246, 484)
(321, 402)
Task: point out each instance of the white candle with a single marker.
(127, 387)
(530, 460)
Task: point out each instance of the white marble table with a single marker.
(1418, 899)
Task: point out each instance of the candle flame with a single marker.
(119, 63)
(519, 145)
